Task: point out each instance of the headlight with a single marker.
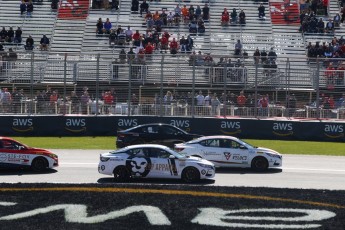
(104, 159)
(274, 155)
(205, 166)
(53, 156)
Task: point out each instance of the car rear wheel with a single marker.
(259, 164)
(39, 164)
(121, 174)
(190, 175)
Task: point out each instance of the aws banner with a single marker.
(73, 9)
(109, 125)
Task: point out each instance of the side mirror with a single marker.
(172, 157)
(20, 147)
(242, 147)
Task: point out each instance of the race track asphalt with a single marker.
(299, 171)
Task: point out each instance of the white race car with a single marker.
(154, 161)
(228, 151)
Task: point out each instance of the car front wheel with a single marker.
(39, 164)
(259, 164)
(121, 174)
(190, 175)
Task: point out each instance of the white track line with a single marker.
(318, 169)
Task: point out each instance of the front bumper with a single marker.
(275, 163)
(207, 173)
(104, 168)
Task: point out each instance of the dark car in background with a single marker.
(158, 133)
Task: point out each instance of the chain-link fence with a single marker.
(171, 85)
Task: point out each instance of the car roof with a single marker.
(146, 146)
(143, 125)
(155, 124)
(6, 138)
(217, 136)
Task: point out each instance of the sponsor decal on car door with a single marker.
(162, 165)
(233, 155)
(210, 150)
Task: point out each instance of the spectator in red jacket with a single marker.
(108, 101)
(166, 34)
(149, 48)
(173, 46)
(164, 43)
(225, 17)
(136, 38)
(241, 100)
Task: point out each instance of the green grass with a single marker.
(290, 147)
(302, 147)
(69, 142)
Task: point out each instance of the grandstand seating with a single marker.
(77, 37)
(41, 22)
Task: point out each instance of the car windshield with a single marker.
(246, 144)
(119, 151)
(193, 141)
(178, 155)
(181, 130)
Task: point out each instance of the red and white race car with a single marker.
(14, 154)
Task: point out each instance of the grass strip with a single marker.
(285, 147)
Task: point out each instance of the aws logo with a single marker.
(230, 127)
(282, 129)
(123, 123)
(22, 125)
(75, 125)
(334, 131)
(183, 124)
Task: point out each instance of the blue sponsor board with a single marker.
(109, 125)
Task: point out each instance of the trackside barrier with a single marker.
(311, 130)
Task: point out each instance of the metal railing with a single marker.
(316, 93)
(28, 106)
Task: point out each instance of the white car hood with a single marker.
(261, 149)
(198, 160)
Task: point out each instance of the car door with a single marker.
(162, 165)
(234, 155)
(169, 135)
(139, 163)
(150, 134)
(11, 152)
(209, 149)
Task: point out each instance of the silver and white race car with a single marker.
(154, 161)
(228, 151)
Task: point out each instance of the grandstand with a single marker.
(77, 54)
